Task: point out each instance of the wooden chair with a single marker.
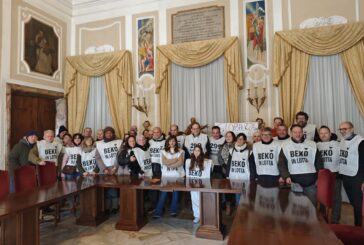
(25, 178)
(325, 192)
(349, 234)
(47, 175)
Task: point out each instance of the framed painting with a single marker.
(41, 47)
(255, 38)
(145, 46)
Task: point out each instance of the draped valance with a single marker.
(194, 54)
(117, 69)
(292, 50)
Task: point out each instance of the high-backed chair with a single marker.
(325, 192)
(4, 184)
(25, 178)
(47, 175)
(349, 234)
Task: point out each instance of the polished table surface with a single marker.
(266, 214)
(271, 215)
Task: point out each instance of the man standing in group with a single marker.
(264, 159)
(174, 131)
(46, 150)
(216, 142)
(87, 132)
(352, 167)
(299, 162)
(156, 144)
(18, 156)
(195, 138)
(282, 133)
(329, 150)
(309, 130)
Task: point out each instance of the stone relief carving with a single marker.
(323, 21)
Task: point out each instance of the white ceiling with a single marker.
(75, 8)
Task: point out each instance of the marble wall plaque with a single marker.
(198, 24)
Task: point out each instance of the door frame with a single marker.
(23, 90)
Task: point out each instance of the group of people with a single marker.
(280, 155)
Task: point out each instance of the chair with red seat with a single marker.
(4, 184)
(25, 178)
(325, 192)
(349, 234)
(47, 175)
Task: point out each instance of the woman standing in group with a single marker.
(172, 159)
(69, 164)
(238, 167)
(220, 171)
(197, 167)
(127, 158)
(87, 164)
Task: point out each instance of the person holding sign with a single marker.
(264, 159)
(87, 163)
(172, 159)
(46, 150)
(198, 167)
(299, 162)
(238, 166)
(352, 167)
(106, 159)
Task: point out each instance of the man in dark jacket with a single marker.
(18, 156)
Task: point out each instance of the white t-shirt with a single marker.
(239, 165)
(349, 156)
(300, 156)
(49, 151)
(329, 152)
(191, 141)
(108, 151)
(155, 147)
(172, 172)
(198, 173)
(266, 158)
(88, 160)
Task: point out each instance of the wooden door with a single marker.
(30, 112)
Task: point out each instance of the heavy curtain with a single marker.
(98, 113)
(117, 69)
(329, 99)
(292, 50)
(196, 54)
(198, 92)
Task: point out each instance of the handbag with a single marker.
(69, 169)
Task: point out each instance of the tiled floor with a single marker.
(167, 230)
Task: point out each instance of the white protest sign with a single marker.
(247, 128)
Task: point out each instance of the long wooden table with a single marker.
(19, 212)
(132, 217)
(270, 215)
(280, 217)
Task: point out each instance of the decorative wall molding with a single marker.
(323, 21)
(99, 49)
(25, 15)
(99, 28)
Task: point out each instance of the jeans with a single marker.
(162, 200)
(71, 177)
(310, 192)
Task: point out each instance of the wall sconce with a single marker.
(141, 105)
(256, 101)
